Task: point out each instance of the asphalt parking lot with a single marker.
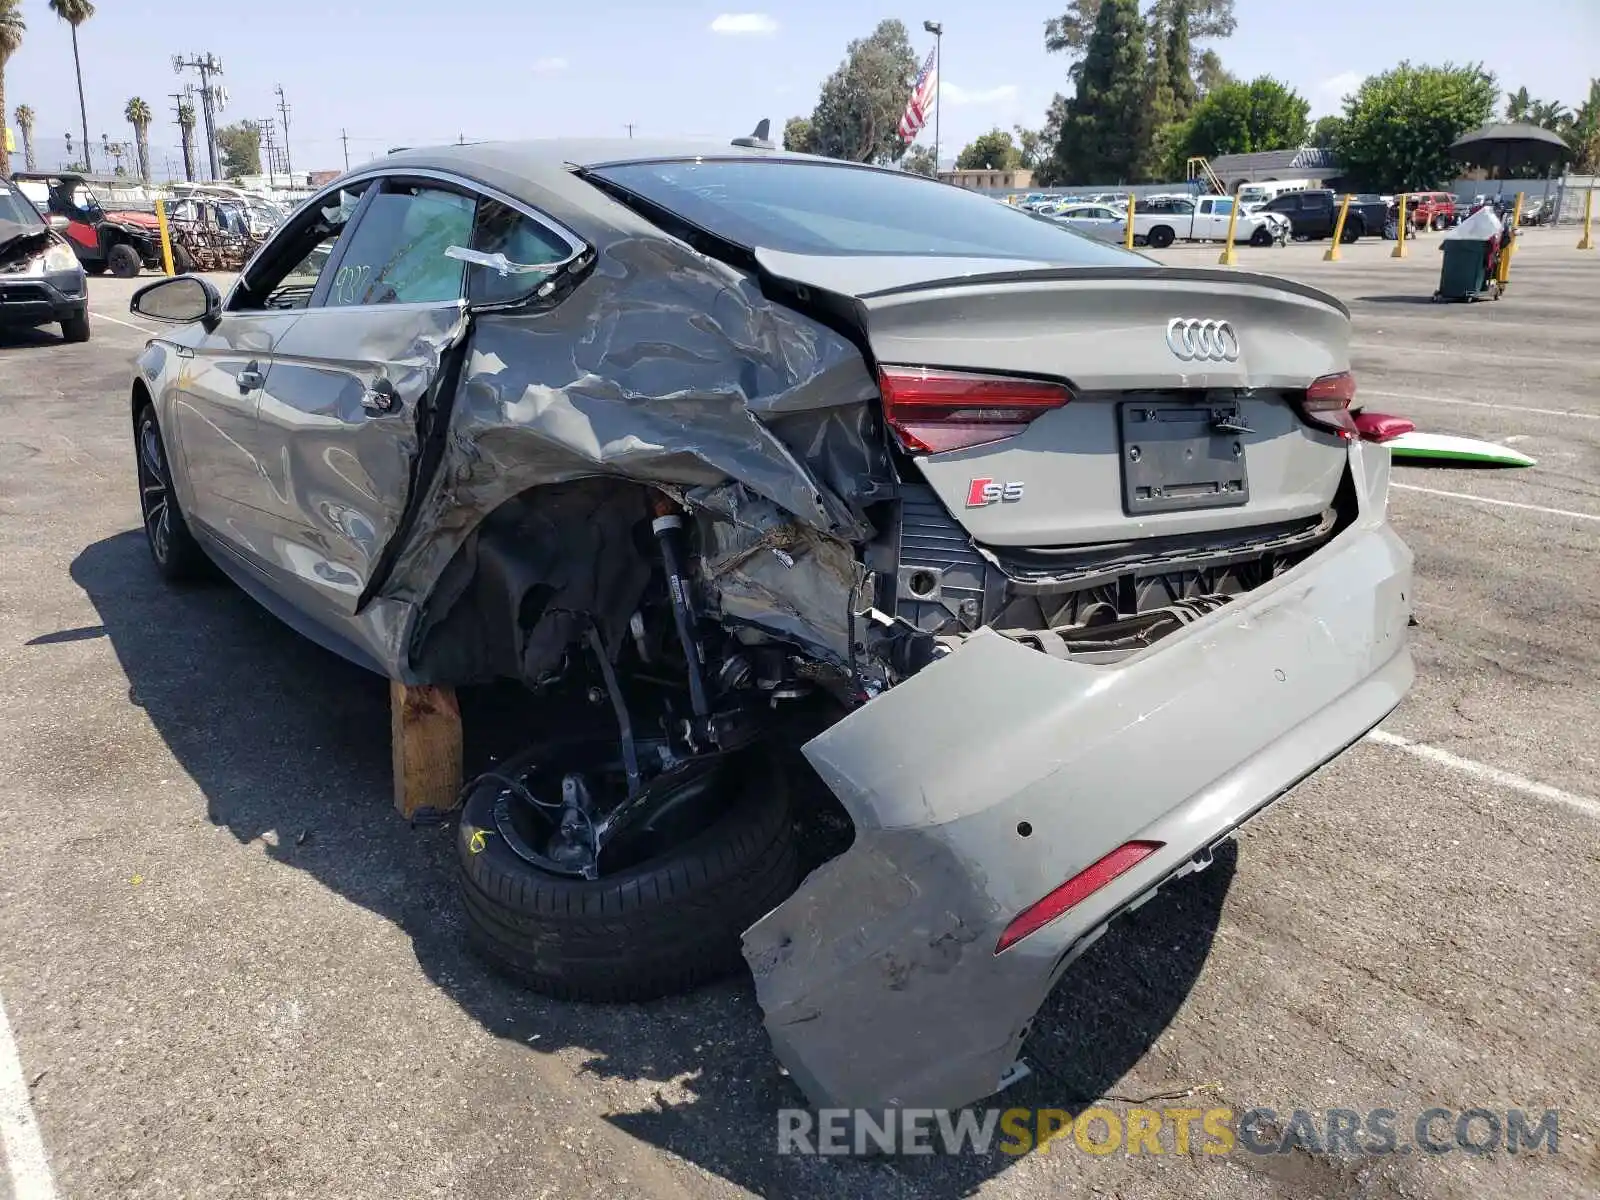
(229, 970)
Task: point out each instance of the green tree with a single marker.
(12, 27)
(1210, 74)
(1550, 114)
(1399, 125)
(1104, 137)
(1241, 118)
(75, 13)
(1031, 146)
(1048, 171)
(992, 151)
(919, 160)
(1199, 20)
(240, 145)
(186, 134)
(25, 127)
(1583, 133)
(1180, 68)
(858, 113)
(1517, 105)
(797, 135)
(1325, 132)
(138, 114)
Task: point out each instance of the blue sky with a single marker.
(407, 72)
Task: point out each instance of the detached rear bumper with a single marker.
(999, 772)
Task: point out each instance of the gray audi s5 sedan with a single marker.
(1056, 564)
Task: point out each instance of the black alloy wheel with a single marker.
(173, 548)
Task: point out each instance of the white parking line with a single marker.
(1538, 508)
(1485, 351)
(1543, 412)
(1478, 770)
(117, 321)
(19, 1128)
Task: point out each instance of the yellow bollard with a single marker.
(1586, 242)
(1504, 273)
(1399, 250)
(166, 238)
(1229, 258)
(1332, 253)
(1127, 238)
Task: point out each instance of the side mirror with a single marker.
(178, 300)
(57, 222)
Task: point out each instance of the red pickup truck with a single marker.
(1431, 210)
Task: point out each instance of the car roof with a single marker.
(539, 172)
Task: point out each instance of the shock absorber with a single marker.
(668, 528)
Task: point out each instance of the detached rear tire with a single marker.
(661, 927)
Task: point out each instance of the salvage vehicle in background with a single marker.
(1314, 214)
(123, 241)
(1161, 220)
(1059, 564)
(1092, 220)
(1431, 210)
(41, 280)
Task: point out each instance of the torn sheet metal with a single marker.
(996, 774)
(663, 367)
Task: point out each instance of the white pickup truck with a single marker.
(1158, 221)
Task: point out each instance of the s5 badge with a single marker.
(983, 492)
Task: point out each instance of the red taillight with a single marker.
(1327, 404)
(934, 411)
(1074, 891)
(1381, 427)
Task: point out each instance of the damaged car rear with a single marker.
(1057, 564)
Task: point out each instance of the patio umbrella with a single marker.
(1504, 145)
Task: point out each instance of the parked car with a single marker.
(41, 280)
(1061, 563)
(1431, 210)
(1092, 220)
(1314, 213)
(123, 241)
(1158, 221)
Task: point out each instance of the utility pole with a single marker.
(345, 138)
(629, 128)
(283, 111)
(212, 97)
(185, 135)
(937, 29)
(268, 146)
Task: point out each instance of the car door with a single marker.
(361, 381)
(221, 372)
(1319, 213)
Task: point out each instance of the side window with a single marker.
(397, 253)
(289, 277)
(527, 248)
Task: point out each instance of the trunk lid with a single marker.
(1150, 443)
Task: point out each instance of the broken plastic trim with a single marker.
(499, 263)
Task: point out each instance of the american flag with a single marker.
(921, 102)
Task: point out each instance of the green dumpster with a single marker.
(1462, 274)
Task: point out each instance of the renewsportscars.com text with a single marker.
(1344, 1132)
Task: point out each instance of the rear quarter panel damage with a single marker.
(661, 367)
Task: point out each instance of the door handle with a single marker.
(380, 399)
(250, 378)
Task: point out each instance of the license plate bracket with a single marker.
(1182, 456)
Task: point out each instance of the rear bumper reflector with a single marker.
(1074, 891)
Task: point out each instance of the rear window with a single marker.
(818, 208)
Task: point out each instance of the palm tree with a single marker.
(25, 123)
(139, 116)
(1517, 105)
(75, 13)
(186, 128)
(11, 30)
(1549, 114)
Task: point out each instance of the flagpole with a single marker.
(937, 29)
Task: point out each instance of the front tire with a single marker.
(1351, 232)
(654, 928)
(124, 261)
(76, 328)
(1261, 237)
(172, 547)
(182, 264)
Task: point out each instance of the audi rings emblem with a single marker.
(1210, 341)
